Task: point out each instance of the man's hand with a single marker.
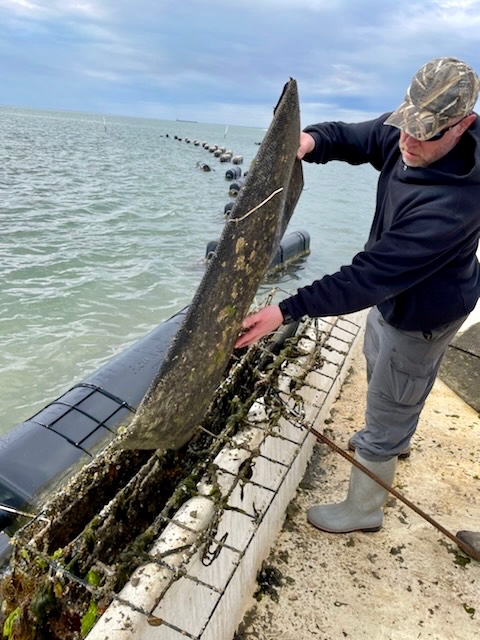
(259, 324)
(307, 145)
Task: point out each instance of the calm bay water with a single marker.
(103, 229)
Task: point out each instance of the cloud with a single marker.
(224, 62)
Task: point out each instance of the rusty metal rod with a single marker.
(465, 547)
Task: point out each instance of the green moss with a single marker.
(93, 577)
(89, 619)
(24, 554)
(461, 559)
(43, 564)
(57, 554)
(9, 622)
(42, 603)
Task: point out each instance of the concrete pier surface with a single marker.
(408, 580)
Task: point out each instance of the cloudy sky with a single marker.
(225, 61)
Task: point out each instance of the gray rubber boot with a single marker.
(362, 510)
(472, 538)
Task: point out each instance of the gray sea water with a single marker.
(104, 223)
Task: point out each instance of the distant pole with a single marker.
(104, 123)
(225, 134)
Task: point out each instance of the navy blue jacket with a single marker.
(419, 265)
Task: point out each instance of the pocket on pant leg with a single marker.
(409, 380)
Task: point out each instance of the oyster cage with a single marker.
(166, 544)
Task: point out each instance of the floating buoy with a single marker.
(235, 187)
(293, 246)
(237, 159)
(227, 210)
(225, 157)
(211, 248)
(233, 173)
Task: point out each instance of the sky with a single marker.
(226, 61)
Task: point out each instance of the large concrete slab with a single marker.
(461, 366)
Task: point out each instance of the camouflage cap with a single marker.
(442, 89)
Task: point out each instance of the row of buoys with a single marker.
(219, 151)
(292, 247)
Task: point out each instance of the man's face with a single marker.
(416, 153)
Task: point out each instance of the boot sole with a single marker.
(361, 529)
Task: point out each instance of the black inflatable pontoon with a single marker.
(39, 452)
(293, 246)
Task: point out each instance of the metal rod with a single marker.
(17, 512)
(465, 547)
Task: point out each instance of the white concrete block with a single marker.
(290, 431)
(250, 499)
(148, 582)
(328, 369)
(187, 605)
(319, 381)
(239, 529)
(267, 473)
(214, 565)
(297, 368)
(333, 355)
(342, 334)
(279, 449)
(312, 397)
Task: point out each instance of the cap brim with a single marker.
(418, 123)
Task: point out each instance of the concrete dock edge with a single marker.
(206, 600)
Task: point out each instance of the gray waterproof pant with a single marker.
(401, 369)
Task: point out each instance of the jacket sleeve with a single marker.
(357, 143)
(404, 256)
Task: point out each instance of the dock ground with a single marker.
(408, 580)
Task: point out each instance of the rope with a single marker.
(249, 213)
(465, 547)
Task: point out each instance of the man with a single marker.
(418, 272)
